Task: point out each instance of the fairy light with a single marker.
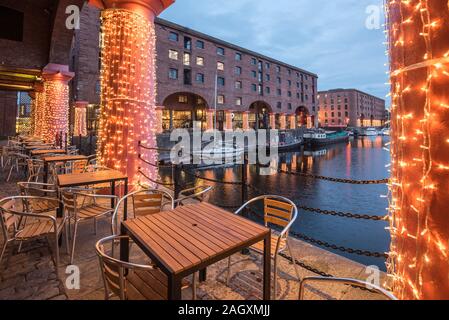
(419, 188)
(128, 89)
(54, 109)
(80, 121)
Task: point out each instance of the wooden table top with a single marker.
(47, 151)
(193, 235)
(82, 179)
(64, 158)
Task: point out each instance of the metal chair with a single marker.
(35, 169)
(130, 281)
(18, 161)
(200, 193)
(279, 212)
(43, 190)
(144, 202)
(352, 282)
(78, 166)
(80, 205)
(21, 224)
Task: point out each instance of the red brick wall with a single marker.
(8, 111)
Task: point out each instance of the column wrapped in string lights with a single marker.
(32, 95)
(128, 87)
(418, 40)
(55, 111)
(272, 120)
(80, 122)
(39, 109)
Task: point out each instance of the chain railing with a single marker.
(245, 185)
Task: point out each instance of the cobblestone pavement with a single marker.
(31, 273)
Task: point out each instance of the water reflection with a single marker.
(360, 159)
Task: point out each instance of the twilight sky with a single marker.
(327, 37)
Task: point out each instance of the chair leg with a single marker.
(67, 238)
(275, 277)
(20, 247)
(293, 261)
(228, 276)
(57, 251)
(74, 241)
(3, 251)
(194, 287)
(10, 172)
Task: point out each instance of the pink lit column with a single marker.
(292, 121)
(283, 121)
(54, 119)
(128, 87)
(228, 120)
(159, 119)
(245, 118)
(80, 122)
(209, 119)
(272, 121)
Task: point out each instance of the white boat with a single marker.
(370, 132)
(216, 153)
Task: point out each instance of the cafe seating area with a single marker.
(140, 242)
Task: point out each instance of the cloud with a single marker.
(322, 36)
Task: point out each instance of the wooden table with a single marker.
(62, 158)
(40, 152)
(92, 178)
(191, 238)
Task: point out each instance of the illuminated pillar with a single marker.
(419, 55)
(272, 121)
(245, 121)
(80, 122)
(209, 119)
(32, 95)
(292, 121)
(159, 119)
(128, 87)
(228, 120)
(39, 109)
(55, 110)
(283, 121)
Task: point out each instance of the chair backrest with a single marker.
(346, 281)
(278, 211)
(35, 189)
(7, 220)
(200, 193)
(113, 270)
(145, 202)
(78, 166)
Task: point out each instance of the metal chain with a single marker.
(344, 214)
(339, 180)
(339, 248)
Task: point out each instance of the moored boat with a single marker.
(321, 137)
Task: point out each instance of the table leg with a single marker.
(203, 275)
(45, 172)
(124, 245)
(267, 267)
(174, 288)
(125, 205)
(112, 193)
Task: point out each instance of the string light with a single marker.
(418, 189)
(80, 122)
(128, 89)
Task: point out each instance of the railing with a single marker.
(245, 187)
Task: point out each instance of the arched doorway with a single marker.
(301, 116)
(182, 109)
(259, 117)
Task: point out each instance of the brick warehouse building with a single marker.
(350, 107)
(269, 92)
(188, 65)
